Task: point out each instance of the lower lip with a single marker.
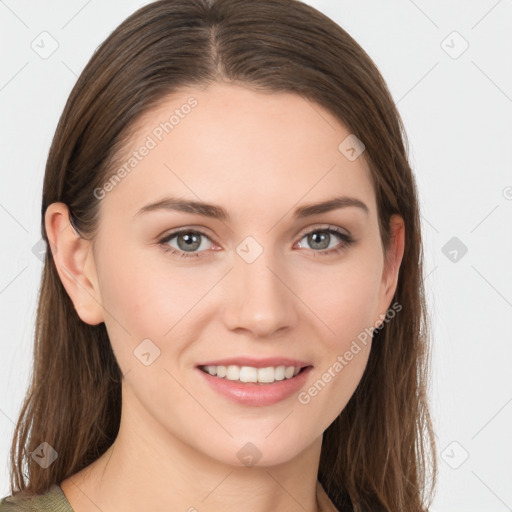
(257, 394)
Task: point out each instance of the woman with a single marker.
(232, 313)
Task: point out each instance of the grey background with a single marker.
(457, 109)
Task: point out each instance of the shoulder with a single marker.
(53, 500)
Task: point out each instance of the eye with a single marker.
(187, 241)
(320, 240)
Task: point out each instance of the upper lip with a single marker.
(257, 363)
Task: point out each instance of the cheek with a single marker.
(145, 299)
(348, 309)
(347, 302)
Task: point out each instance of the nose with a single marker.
(259, 298)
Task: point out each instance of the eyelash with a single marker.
(347, 240)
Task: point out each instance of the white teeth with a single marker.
(232, 372)
(251, 374)
(247, 374)
(266, 374)
(279, 372)
(289, 371)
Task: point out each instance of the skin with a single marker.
(259, 156)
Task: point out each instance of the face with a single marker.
(268, 283)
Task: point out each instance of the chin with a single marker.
(259, 451)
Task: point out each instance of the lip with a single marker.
(257, 363)
(253, 393)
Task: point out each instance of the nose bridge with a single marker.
(261, 302)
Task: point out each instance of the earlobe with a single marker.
(75, 264)
(392, 262)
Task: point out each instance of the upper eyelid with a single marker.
(325, 227)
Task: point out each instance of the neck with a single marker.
(150, 469)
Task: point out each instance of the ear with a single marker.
(75, 264)
(392, 262)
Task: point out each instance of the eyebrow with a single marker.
(217, 212)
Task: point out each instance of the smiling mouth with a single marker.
(252, 375)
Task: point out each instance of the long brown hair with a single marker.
(379, 453)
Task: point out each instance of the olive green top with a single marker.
(54, 500)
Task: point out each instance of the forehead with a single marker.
(230, 144)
